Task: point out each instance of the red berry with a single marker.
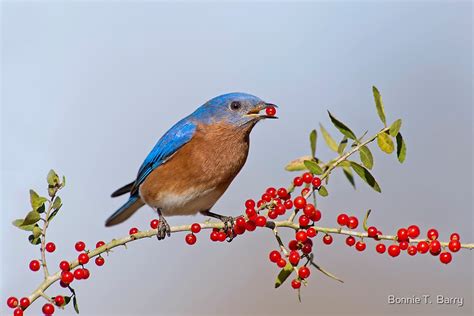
(48, 309)
(240, 221)
(403, 245)
(360, 246)
(298, 181)
(239, 230)
(432, 234)
(18, 312)
(190, 239)
(99, 261)
(445, 257)
(422, 247)
(299, 202)
(304, 221)
(402, 234)
(250, 203)
(281, 263)
(266, 197)
(372, 231)
(80, 246)
(342, 219)
(307, 177)
(305, 192)
(311, 232)
(270, 111)
(260, 203)
(307, 248)
(294, 257)
(293, 245)
(59, 300)
(100, 243)
(35, 265)
(214, 236)
(393, 250)
(353, 222)
(12, 302)
(288, 204)
(309, 209)
(50, 247)
(251, 213)
(350, 241)
(86, 274)
(413, 231)
(250, 226)
(379, 233)
(455, 236)
(435, 247)
(301, 236)
(64, 265)
(296, 284)
(282, 193)
(195, 228)
(274, 256)
(83, 258)
(222, 236)
(454, 245)
(67, 277)
(327, 239)
(412, 250)
(316, 182)
(154, 223)
(24, 302)
(260, 221)
(380, 248)
(304, 272)
(316, 216)
(79, 274)
(133, 231)
(272, 214)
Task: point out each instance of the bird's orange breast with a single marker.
(195, 177)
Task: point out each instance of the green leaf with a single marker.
(364, 223)
(33, 240)
(366, 176)
(36, 200)
(366, 157)
(297, 164)
(284, 274)
(31, 218)
(328, 139)
(349, 175)
(385, 143)
(342, 145)
(401, 148)
(19, 223)
(57, 203)
(323, 191)
(37, 231)
(395, 127)
(63, 183)
(379, 105)
(346, 131)
(312, 140)
(74, 303)
(52, 178)
(313, 167)
(54, 213)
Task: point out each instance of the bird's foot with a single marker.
(163, 229)
(228, 226)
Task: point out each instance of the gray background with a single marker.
(88, 88)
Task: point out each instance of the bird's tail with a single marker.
(125, 189)
(124, 212)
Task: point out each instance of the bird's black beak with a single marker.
(255, 112)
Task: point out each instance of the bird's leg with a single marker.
(163, 227)
(227, 220)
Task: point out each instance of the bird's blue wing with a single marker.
(172, 141)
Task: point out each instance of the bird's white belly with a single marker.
(189, 202)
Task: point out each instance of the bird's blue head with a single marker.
(239, 109)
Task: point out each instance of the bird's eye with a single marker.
(235, 105)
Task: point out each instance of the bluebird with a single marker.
(194, 162)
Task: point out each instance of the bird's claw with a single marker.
(228, 227)
(163, 229)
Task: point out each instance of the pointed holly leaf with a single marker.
(313, 167)
(342, 145)
(36, 200)
(284, 274)
(385, 143)
(31, 218)
(401, 148)
(328, 139)
(395, 127)
(366, 157)
(379, 105)
(346, 131)
(365, 175)
(312, 140)
(349, 175)
(323, 191)
(297, 164)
